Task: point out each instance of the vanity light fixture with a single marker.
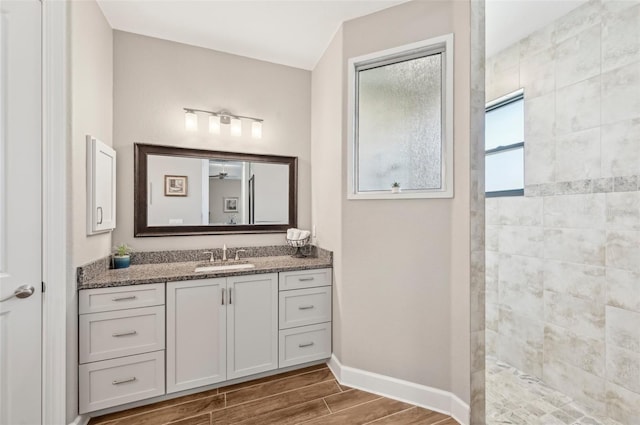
(190, 120)
(216, 119)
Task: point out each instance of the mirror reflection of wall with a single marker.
(177, 210)
(219, 192)
(225, 181)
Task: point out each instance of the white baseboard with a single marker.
(398, 389)
(81, 420)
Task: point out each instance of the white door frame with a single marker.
(54, 215)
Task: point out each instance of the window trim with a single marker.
(490, 106)
(437, 45)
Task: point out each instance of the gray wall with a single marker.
(402, 275)
(91, 106)
(154, 79)
(563, 263)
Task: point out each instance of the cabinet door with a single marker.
(196, 333)
(252, 316)
(101, 170)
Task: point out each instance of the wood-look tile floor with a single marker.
(307, 396)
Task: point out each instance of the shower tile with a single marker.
(622, 329)
(506, 58)
(539, 159)
(583, 246)
(585, 353)
(621, 94)
(575, 211)
(583, 387)
(522, 356)
(539, 118)
(514, 325)
(582, 317)
(623, 289)
(587, 282)
(578, 155)
(492, 235)
(578, 106)
(602, 185)
(578, 58)
(491, 341)
(623, 405)
(625, 184)
(537, 73)
(623, 249)
(620, 38)
(623, 210)
(502, 83)
(521, 240)
(621, 137)
(535, 42)
(575, 187)
(623, 368)
(491, 210)
(577, 21)
(520, 211)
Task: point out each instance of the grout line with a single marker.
(274, 394)
(268, 382)
(325, 403)
(388, 416)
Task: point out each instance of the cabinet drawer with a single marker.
(119, 381)
(121, 333)
(302, 307)
(119, 298)
(305, 279)
(305, 344)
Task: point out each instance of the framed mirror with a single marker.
(180, 191)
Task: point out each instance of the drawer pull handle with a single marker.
(306, 279)
(123, 381)
(125, 334)
(307, 344)
(130, 297)
(305, 307)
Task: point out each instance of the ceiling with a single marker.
(294, 32)
(508, 21)
(297, 32)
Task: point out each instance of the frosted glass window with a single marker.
(400, 125)
(504, 125)
(503, 170)
(400, 121)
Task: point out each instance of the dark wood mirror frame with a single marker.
(140, 223)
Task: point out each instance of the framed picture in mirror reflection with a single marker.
(175, 185)
(230, 205)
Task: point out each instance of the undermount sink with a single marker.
(222, 267)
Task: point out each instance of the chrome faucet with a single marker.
(224, 252)
(211, 258)
(238, 251)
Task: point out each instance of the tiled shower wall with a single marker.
(563, 262)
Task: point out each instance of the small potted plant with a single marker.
(395, 187)
(122, 256)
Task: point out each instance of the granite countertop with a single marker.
(163, 272)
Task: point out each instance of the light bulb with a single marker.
(214, 124)
(190, 121)
(256, 130)
(236, 127)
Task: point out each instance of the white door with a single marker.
(196, 332)
(20, 212)
(252, 317)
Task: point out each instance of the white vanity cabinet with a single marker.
(221, 329)
(305, 316)
(121, 345)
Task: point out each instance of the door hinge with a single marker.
(44, 286)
